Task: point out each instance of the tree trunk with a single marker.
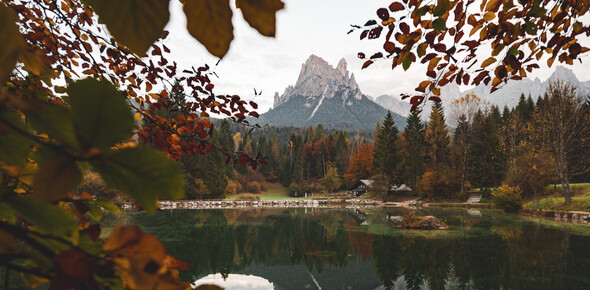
(565, 186)
(464, 169)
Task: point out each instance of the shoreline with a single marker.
(581, 217)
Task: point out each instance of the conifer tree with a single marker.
(388, 150)
(215, 175)
(415, 144)
(437, 136)
(226, 141)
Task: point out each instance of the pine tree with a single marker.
(388, 155)
(215, 175)
(415, 143)
(437, 136)
(226, 141)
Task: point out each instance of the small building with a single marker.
(361, 187)
(364, 185)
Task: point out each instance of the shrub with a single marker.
(253, 187)
(439, 182)
(507, 198)
(93, 184)
(233, 187)
(296, 189)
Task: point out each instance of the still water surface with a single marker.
(363, 249)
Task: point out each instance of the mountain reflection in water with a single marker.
(363, 249)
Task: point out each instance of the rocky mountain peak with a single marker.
(319, 79)
(564, 74)
(342, 67)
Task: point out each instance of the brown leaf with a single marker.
(396, 6)
(261, 14)
(55, 178)
(209, 22)
(367, 64)
(7, 242)
(11, 40)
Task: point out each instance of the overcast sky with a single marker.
(304, 27)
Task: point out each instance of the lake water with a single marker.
(360, 248)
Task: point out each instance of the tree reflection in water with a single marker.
(362, 249)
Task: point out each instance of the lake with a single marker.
(361, 248)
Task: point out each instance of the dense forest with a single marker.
(479, 147)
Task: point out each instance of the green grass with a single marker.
(272, 191)
(580, 200)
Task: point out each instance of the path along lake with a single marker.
(361, 248)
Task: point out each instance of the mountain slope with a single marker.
(328, 96)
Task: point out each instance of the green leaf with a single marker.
(108, 205)
(96, 207)
(11, 40)
(441, 7)
(101, 113)
(14, 147)
(135, 23)
(143, 174)
(407, 62)
(513, 51)
(56, 121)
(439, 24)
(209, 22)
(531, 28)
(45, 217)
(55, 178)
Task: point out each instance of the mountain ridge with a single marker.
(326, 95)
(507, 95)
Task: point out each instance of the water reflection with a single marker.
(362, 249)
(235, 282)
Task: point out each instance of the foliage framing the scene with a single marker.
(490, 42)
(50, 132)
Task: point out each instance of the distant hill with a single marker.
(328, 96)
(507, 95)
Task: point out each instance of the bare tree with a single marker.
(564, 127)
(462, 112)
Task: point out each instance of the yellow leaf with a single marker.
(11, 40)
(261, 14)
(135, 23)
(488, 16)
(488, 62)
(137, 116)
(550, 61)
(496, 81)
(209, 22)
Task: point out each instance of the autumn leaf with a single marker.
(489, 16)
(135, 23)
(487, 62)
(11, 40)
(261, 14)
(209, 21)
(141, 258)
(55, 178)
